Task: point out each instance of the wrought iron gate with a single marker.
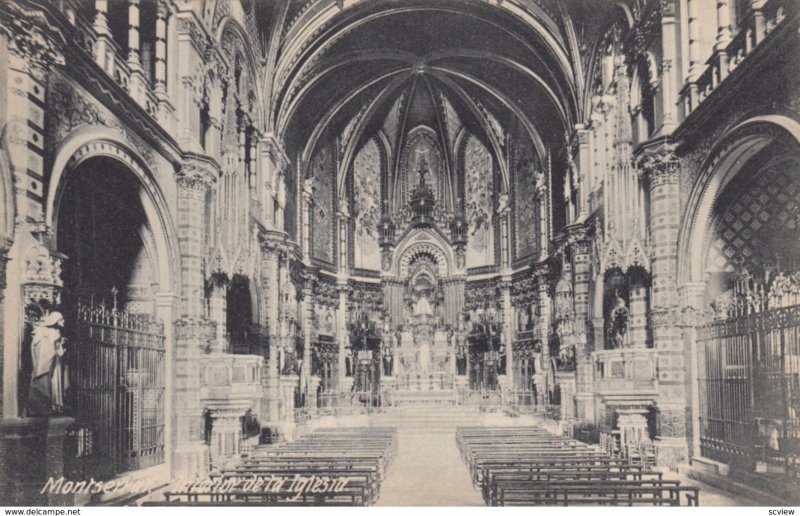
(750, 388)
(117, 383)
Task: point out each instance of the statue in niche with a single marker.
(566, 358)
(423, 307)
(423, 169)
(524, 318)
(49, 378)
(328, 328)
(388, 359)
(348, 361)
(618, 323)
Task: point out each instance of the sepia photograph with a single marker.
(267, 254)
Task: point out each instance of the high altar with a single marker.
(423, 277)
(425, 356)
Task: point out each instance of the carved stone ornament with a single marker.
(68, 109)
(660, 166)
(31, 36)
(41, 276)
(196, 174)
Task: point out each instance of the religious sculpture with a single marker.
(618, 323)
(49, 377)
(423, 307)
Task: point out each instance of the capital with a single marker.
(196, 173)
(659, 166)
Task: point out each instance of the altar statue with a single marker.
(48, 378)
(423, 307)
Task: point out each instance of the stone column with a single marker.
(669, 85)
(226, 433)
(103, 33)
(637, 333)
(307, 210)
(581, 247)
(193, 332)
(308, 309)
(584, 165)
(134, 59)
(543, 327)
(508, 330)
(32, 51)
(271, 249)
(661, 169)
(723, 36)
(695, 63)
(166, 307)
(162, 13)
(342, 335)
(342, 220)
(217, 305)
(759, 21)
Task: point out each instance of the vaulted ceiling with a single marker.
(344, 64)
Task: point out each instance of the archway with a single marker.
(747, 274)
(117, 358)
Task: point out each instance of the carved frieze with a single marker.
(31, 36)
(68, 108)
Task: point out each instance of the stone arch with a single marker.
(407, 256)
(229, 25)
(727, 158)
(96, 143)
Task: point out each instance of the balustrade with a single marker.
(97, 42)
(752, 32)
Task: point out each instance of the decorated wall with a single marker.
(479, 203)
(524, 163)
(366, 207)
(322, 170)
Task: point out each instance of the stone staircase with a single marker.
(424, 418)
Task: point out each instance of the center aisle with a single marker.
(428, 471)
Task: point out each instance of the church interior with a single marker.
(400, 252)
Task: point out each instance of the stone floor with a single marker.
(428, 471)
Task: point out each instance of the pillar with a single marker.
(584, 165)
(134, 59)
(32, 53)
(508, 330)
(193, 332)
(637, 333)
(103, 32)
(308, 310)
(217, 307)
(759, 20)
(342, 335)
(166, 305)
(162, 12)
(723, 37)
(669, 86)
(581, 265)
(226, 434)
(543, 327)
(661, 169)
(271, 249)
(695, 63)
